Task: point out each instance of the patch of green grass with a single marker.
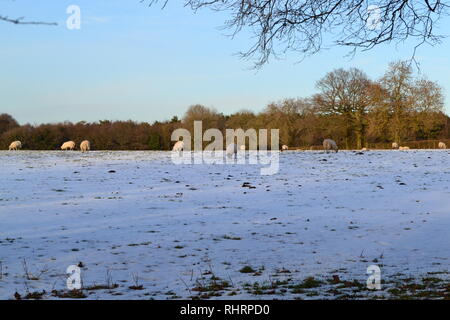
(213, 288)
(310, 283)
(432, 280)
(72, 294)
(37, 295)
(247, 269)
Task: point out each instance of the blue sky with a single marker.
(130, 61)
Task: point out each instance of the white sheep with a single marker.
(85, 146)
(329, 144)
(284, 147)
(394, 145)
(232, 150)
(403, 148)
(442, 145)
(69, 145)
(16, 145)
(179, 146)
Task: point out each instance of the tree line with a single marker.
(348, 107)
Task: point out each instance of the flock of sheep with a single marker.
(232, 148)
(85, 146)
(395, 145)
(328, 145)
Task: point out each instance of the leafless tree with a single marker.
(306, 26)
(346, 93)
(398, 83)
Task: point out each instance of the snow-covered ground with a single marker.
(128, 215)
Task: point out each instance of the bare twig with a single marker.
(21, 21)
(308, 26)
(187, 287)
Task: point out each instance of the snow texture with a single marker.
(137, 214)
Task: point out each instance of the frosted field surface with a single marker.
(141, 227)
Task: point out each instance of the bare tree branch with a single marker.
(307, 26)
(20, 21)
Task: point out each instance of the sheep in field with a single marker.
(179, 146)
(394, 145)
(329, 144)
(69, 145)
(284, 147)
(232, 150)
(85, 146)
(442, 145)
(403, 148)
(16, 145)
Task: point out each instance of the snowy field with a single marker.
(134, 219)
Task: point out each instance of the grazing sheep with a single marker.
(16, 145)
(284, 147)
(69, 145)
(231, 149)
(85, 146)
(403, 148)
(179, 146)
(394, 145)
(442, 145)
(329, 144)
(243, 147)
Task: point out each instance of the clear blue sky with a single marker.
(130, 61)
